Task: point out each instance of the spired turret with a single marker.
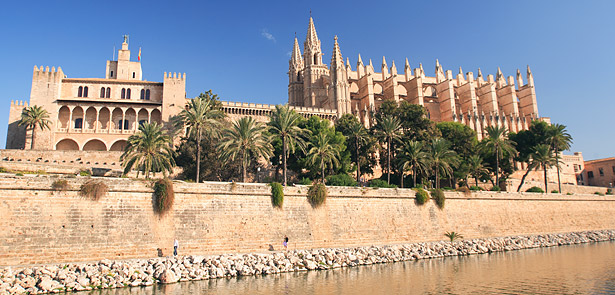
(295, 76)
(339, 86)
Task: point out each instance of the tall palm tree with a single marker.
(32, 117)
(150, 150)
(388, 128)
(543, 156)
(359, 135)
(497, 142)
(325, 152)
(441, 158)
(243, 139)
(284, 123)
(411, 155)
(560, 140)
(201, 119)
(476, 167)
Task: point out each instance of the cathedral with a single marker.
(477, 102)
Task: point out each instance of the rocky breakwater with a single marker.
(145, 272)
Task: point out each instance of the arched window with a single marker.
(133, 75)
(111, 73)
(298, 76)
(78, 123)
(147, 94)
(123, 93)
(141, 122)
(108, 92)
(80, 91)
(85, 91)
(315, 58)
(123, 124)
(102, 92)
(128, 93)
(142, 94)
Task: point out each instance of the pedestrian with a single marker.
(175, 246)
(285, 243)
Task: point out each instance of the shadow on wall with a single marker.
(16, 137)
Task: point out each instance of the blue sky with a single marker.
(240, 49)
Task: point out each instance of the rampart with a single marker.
(40, 225)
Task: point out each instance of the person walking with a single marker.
(175, 246)
(285, 243)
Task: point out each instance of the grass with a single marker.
(277, 194)
(317, 195)
(59, 185)
(438, 196)
(422, 196)
(93, 190)
(163, 196)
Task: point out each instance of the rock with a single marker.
(83, 281)
(168, 277)
(311, 265)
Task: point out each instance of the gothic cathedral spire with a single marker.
(313, 52)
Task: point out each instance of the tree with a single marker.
(201, 117)
(357, 135)
(414, 120)
(441, 158)
(150, 150)
(497, 143)
(32, 117)
(543, 157)
(411, 155)
(284, 124)
(387, 128)
(476, 167)
(324, 153)
(560, 140)
(245, 138)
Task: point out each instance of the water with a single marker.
(578, 269)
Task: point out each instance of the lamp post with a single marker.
(258, 174)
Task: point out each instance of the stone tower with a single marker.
(315, 73)
(339, 88)
(295, 80)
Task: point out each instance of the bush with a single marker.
(609, 191)
(305, 181)
(342, 179)
(466, 191)
(569, 194)
(163, 196)
(453, 236)
(93, 190)
(85, 172)
(475, 188)
(18, 174)
(555, 191)
(317, 194)
(495, 188)
(598, 193)
(421, 196)
(438, 196)
(59, 185)
(380, 183)
(534, 189)
(277, 194)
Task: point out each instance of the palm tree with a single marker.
(150, 150)
(387, 128)
(245, 138)
(560, 140)
(476, 167)
(542, 156)
(411, 155)
(359, 135)
(284, 123)
(325, 153)
(497, 142)
(441, 158)
(32, 117)
(201, 118)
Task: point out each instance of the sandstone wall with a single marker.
(39, 225)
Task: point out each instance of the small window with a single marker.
(601, 171)
(126, 124)
(128, 93)
(80, 91)
(133, 75)
(108, 92)
(315, 58)
(123, 93)
(590, 174)
(111, 73)
(102, 92)
(147, 98)
(576, 169)
(123, 124)
(142, 94)
(613, 169)
(85, 91)
(119, 124)
(78, 123)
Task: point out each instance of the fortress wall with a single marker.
(58, 159)
(39, 225)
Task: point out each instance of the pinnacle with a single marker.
(296, 56)
(312, 37)
(336, 56)
(407, 63)
(360, 61)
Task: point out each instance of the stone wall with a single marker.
(60, 161)
(40, 225)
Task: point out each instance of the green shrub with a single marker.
(555, 191)
(85, 172)
(495, 188)
(609, 191)
(164, 196)
(317, 194)
(3, 170)
(465, 190)
(342, 179)
(447, 188)
(277, 194)
(93, 190)
(421, 196)
(438, 196)
(453, 236)
(18, 174)
(380, 183)
(305, 181)
(598, 193)
(534, 189)
(569, 194)
(59, 185)
(475, 188)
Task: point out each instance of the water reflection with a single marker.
(580, 269)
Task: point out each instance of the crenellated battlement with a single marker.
(19, 104)
(175, 75)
